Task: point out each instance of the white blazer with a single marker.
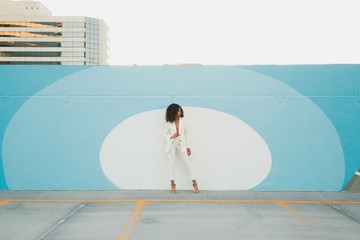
(170, 129)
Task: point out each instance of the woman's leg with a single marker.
(188, 166)
(171, 166)
(171, 157)
(196, 189)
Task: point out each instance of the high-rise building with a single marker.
(31, 35)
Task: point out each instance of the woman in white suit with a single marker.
(177, 142)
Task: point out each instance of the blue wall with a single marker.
(54, 119)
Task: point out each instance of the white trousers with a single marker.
(175, 148)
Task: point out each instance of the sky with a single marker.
(224, 32)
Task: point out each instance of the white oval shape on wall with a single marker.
(227, 154)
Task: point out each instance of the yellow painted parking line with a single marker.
(302, 218)
(2, 202)
(293, 212)
(128, 228)
(322, 202)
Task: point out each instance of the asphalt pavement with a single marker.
(149, 215)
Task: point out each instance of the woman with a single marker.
(176, 141)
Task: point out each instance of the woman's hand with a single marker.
(188, 150)
(175, 135)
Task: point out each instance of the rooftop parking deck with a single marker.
(184, 215)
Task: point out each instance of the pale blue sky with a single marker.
(224, 32)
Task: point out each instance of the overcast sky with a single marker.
(224, 32)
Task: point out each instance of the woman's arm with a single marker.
(185, 131)
(188, 150)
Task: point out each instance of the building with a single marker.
(31, 35)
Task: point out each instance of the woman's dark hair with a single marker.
(172, 111)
